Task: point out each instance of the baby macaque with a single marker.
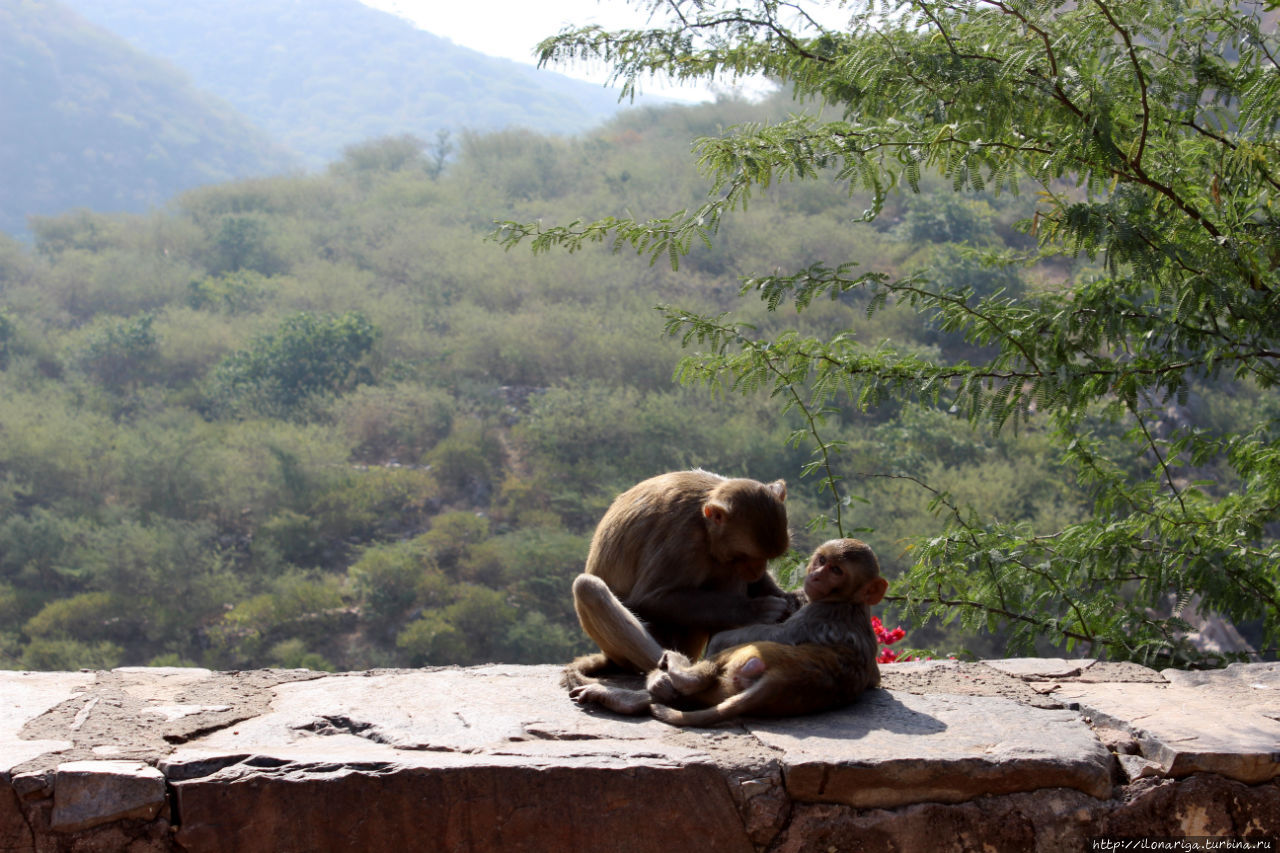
(820, 658)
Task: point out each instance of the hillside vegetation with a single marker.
(323, 421)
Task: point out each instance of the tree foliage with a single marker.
(1148, 133)
(305, 356)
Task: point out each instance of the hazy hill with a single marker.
(90, 121)
(322, 74)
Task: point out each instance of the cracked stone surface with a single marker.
(498, 758)
(896, 749)
(1219, 721)
(26, 696)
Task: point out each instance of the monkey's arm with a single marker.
(707, 609)
(748, 634)
(787, 632)
(767, 586)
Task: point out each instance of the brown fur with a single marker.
(684, 555)
(771, 680)
(820, 658)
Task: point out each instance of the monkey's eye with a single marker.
(836, 570)
(820, 560)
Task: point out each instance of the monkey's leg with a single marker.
(735, 706)
(676, 677)
(617, 699)
(684, 676)
(615, 629)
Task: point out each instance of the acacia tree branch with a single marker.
(1227, 143)
(1044, 625)
(810, 419)
(1142, 80)
(1155, 449)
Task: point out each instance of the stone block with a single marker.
(92, 793)
(892, 749)
(15, 834)
(1222, 721)
(468, 807)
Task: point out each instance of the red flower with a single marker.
(886, 638)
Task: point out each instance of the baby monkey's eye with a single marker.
(836, 569)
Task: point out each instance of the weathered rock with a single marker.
(1252, 686)
(1119, 672)
(896, 749)
(24, 697)
(1203, 805)
(1136, 767)
(91, 793)
(450, 804)
(1222, 722)
(1041, 669)
(964, 678)
(468, 758)
(952, 755)
(15, 834)
(1051, 820)
(1118, 741)
(1048, 821)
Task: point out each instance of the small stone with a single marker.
(1136, 767)
(91, 793)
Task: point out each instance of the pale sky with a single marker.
(512, 28)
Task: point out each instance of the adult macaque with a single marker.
(820, 658)
(675, 559)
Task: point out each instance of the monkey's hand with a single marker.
(616, 699)
(768, 609)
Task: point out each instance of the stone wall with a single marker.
(1024, 754)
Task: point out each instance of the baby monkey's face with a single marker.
(844, 570)
(827, 575)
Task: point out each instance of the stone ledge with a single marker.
(1022, 754)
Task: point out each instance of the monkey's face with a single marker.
(845, 569)
(750, 569)
(747, 526)
(737, 545)
(826, 576)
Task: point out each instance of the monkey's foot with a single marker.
(616, 699)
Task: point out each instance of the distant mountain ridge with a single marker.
(322, 74)
(88, 121)
(117, 105)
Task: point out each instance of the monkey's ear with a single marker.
(779, 488)
(715, 512)
(874, 591)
